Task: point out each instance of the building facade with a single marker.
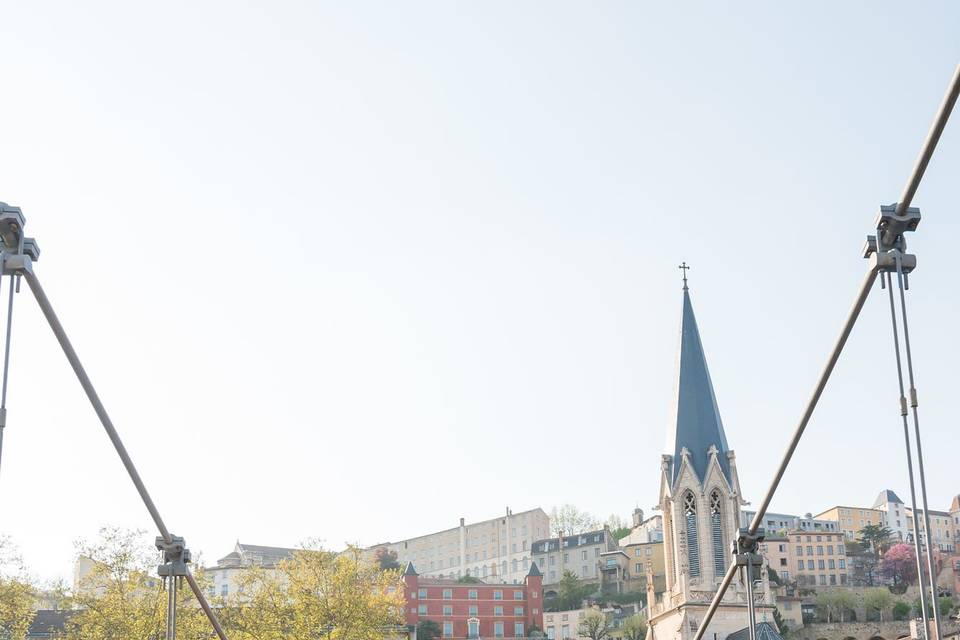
(644, 530)
(225, 576)
(475, 610)
(818, 559)
(492, 550)
(700, 501)
(783, 523)
(579, 554)
(850, 520)
(628, 569)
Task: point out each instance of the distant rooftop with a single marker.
(886, 496)
(569, 542)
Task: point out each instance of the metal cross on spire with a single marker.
(685, 268)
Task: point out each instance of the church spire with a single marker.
(698, 428)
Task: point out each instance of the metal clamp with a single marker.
(176, 557)
(887, 251)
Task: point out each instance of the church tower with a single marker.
(700, 502)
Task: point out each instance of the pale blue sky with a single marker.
(377, 266)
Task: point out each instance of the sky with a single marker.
(353, 271)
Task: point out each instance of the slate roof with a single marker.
(534, 571)
(765, 631)
(253, 554)
(698, 425)
(569, 542)
(886, 496)
(48, 623)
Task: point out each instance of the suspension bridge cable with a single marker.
(928, 532)
(906, 442)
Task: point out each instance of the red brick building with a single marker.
(477, 610)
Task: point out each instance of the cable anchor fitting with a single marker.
(746, 551)
(887, 250)
(176, 557)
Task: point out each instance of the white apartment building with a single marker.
(780, 523)
(644, 531)
(495, 550)
(224, 577)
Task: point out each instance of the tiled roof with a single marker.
(569, 542)
(765, 631)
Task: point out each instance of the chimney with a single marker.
(637, 516)
(461, 522)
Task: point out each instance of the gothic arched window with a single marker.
(693, 541)
(716, 532)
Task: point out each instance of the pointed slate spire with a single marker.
(698, 425)
(534, 571)
(410, 571)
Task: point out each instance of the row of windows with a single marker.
(819, 538)
(472, 594)
(549, 561)
(821, 580)
(423, 610)
(840, 564)
(473, 629)
(840, 550)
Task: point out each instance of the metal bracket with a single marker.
(14, 242)
(176, 557)
(746, 547)
(889, 247)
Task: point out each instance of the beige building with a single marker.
(816, 559)
(625, 570)
(562, 625)
(495, 550)
(579, 554)
(942, 527)
(850, 520)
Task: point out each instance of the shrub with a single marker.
(901, 610)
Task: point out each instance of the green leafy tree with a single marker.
(571, 592)
(835, 603)
(468, 580)
(594, 625)
(386, 558)
(428, 630)
(316, 595)
(901, 610)
(634, 628)
(876, 538)
(944, 604)
(118, 598)
(16, 594)
(845, 602)
(877, 599)
(782, 624)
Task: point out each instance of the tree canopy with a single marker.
(568, 520)
(900, 564)
(571, 592)
(594, 626)
(16, 593)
